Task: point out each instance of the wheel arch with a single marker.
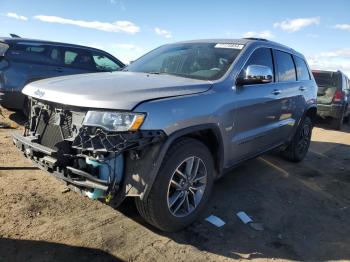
(208, 134)
(311, 112)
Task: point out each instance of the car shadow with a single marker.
(18, 168)
(325, 124)
(18, 117)
(39, 251)
(304, 209)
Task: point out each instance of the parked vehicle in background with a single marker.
(333, 96)
(171, 123)
(26, 60)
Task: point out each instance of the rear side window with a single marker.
(261, 56)
(302, 70)
(27, 52)
(285, 67)
(345, 82)
(103, 63)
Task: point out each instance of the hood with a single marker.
(118, 90)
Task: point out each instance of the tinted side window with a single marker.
(79, 59)
(27, 52)
(345, 80)
(302, 70)
(55, 55)
(285, 67)
(69, 57)
(261, 56)
(103, 63)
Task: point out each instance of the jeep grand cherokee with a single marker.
(171, 123)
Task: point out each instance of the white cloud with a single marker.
(17, 16)
(343, 27)
(262, 34)
(338, 59)
(312, 35)
(293, 25)
(116, 27)
(128, 47)
(163, 32)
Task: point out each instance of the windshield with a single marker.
(206, 61)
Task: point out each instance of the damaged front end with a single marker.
(97, 162)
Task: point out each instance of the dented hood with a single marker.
(118, 90)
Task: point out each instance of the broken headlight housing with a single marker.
(114, 121)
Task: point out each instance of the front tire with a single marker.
(182, 187)
(299, 146)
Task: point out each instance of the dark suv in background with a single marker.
(25, 60)
(333, 96)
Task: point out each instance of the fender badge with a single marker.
(39, 93)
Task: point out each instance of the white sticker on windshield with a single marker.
(232, 46)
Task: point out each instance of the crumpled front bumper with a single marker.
(46, 159)
(141, 162)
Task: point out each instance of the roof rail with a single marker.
(255, 38)
(15, 36)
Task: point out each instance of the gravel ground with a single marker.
(304, 209)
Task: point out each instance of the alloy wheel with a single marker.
(187, 186)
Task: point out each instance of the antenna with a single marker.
(15, 36)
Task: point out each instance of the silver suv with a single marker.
(171, 123)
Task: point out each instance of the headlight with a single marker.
(114, 121)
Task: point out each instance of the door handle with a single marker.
(302, 88)
(276, 92)
(59, 70)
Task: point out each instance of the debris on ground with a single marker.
(256, 226)
(247, 220)
(244, 217)
(216, 221)
(65, 190)
(4, 125)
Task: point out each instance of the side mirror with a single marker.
(255, 74)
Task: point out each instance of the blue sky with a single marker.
(129, 28)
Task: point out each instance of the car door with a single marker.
(304, 87)
(291, 99)
(54, 68)
(258, 108)
(29, 61)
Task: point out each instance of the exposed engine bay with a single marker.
(96, 162)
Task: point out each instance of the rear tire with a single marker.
(299, 146)
(160, 207)
(347, 117)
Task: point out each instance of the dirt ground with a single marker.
(304, 208)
